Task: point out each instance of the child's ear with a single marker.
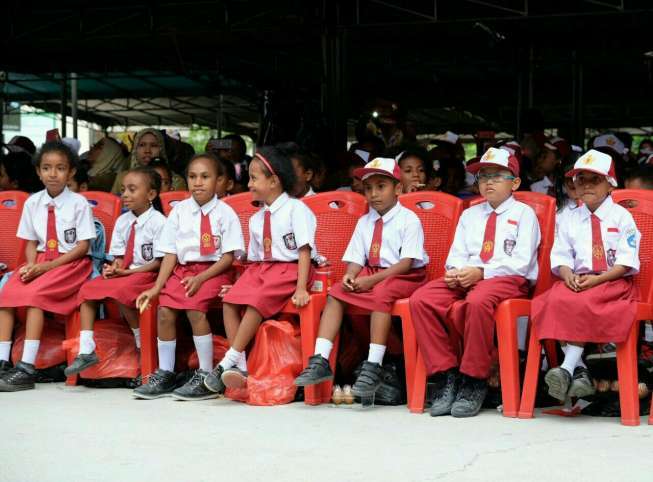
(516, 182)
(72, 173)
(151, 195)
(230, 186)
(399, 188)
(309, 176)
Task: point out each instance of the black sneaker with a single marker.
(445, 392)
(5, 366)
(194, 389)
(213, 381)
(558, 380)
(21, 377)
(469, 399)
(234, 377)
(368, 381)
(81, 363)
(582, 384)
(161, 383)
(317, 371)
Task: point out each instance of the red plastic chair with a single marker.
(640, 205)
(106, 208)
(12, 249)
(337, 213)
(170, 198)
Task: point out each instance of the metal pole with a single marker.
(220, 116)
(3, 76)
(73, 98)
(64, 103)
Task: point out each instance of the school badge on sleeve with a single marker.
(147, 252)
(217, 242)
(70, 235)
(289, 241)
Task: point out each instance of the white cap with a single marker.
(73, 143)
(496, 157)
(611, 141)
(385, 166)
(596, 162)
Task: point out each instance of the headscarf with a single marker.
(134, 162)
(110, 160)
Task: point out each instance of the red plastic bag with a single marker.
(220, 347)
(116, 349)
(50, 352)
(273, 364)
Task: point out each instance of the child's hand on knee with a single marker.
(451, 278)
(143, 300)
(224, 290)
(348, 282)
(364, 283)
(469, 276)
(192, 285)
(300, 298)
(570, 279)
(587, 281)
(33, 272)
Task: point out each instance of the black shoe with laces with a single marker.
(368, 380)
(558, 381)
(194, 389)
(5, 366)
(213, 381)
(446, 388)
(581, 384)
(81, 363)
(21, 377)
(469, 399)
(317, 371)
(159, 384)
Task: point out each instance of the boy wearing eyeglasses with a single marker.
(493, 257)
(595, 254)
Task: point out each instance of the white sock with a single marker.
(376, 353)
(86, 342)
(242, 361)
(579, 363)
(230, 359)
(5, 350)
(323, 347)
(137, 337)
(204, 347)
(167, 354)
(572, 355)
(30, 349)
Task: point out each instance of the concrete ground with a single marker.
(57, 433)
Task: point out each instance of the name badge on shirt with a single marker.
(147, 252)
(289, 241)
(509, 246)
(70, 235)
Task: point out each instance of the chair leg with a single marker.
(419, 386)
(148, 325)
(73, 327)
(627, 370)
(508, 349)
(533, 363)
(410, 347)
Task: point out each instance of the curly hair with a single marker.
(60, 148)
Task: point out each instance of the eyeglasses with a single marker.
(494, 177)
(589, 180)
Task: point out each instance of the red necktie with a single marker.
(487, 250)
(374, 258)
(267, 236)
(129, 252)
(51, 243)
(599, 264)
(207, 246)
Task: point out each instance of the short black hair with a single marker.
(226, 168)
(81, 176)
(155, 183)
(19, 169)
(239, 140)
(61, 148)
(281, 165)
(293, 150)
(420, 154)
(206, 155)
(161, 164)
(643, 173)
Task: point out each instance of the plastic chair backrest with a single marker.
(106, 208)
(170, 198)
(337, 213)
(545, 210)
(640, 204)
(242, 203)
(439, 213)
(12, 249)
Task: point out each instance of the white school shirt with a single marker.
(516, 240)
(181, 232)
(73, 214)
(292, 225)
(542, 186)
(402, 237)
(572, 246)
(147, 231)
(569, 207)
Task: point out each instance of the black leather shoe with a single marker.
(317, 371)
(213, 381)
(161, 383)
(445, 393)
(194, 389)
(21, 377)
(469, 399)
(81, 363)
(368, 381)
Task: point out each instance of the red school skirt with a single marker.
(383, 295)
(54, 291)
(267, 287)
(601, 314)
(123, 289)
(174, 296)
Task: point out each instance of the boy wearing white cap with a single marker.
(595, 254)
(386, 262)
(493, 257)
